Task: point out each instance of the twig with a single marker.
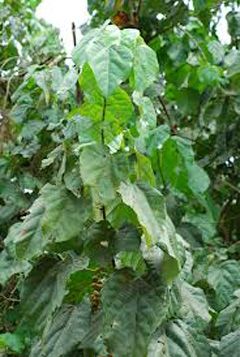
(9, 298)
(165, 111)
(7, 91)
(74, 34)
(103, 120)
(234, 188)
(79, 95)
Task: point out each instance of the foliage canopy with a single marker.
(119, 182)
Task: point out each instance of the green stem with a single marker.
(103, 143)
(103, 120)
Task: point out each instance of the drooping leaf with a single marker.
(102, 172)
(133, 309)
(45, 287)
(65, 214)
(230, 344)
(194, 303)
(57, 215)
(10, 266)
(145, 67)
(66, 331)
(229, 318)
(225, 279)
(148, 204)
(179, 339)
(180, 169)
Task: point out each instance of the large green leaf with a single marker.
(225, 279)
(10, 266)
(229, 318)
(149, 206)
(66, 331)
(25, 239)
(65, 214)
(45, 287)
(145, 67)
(179, 340)
(194, 302)
(230, 344)
(133, 309)
(180, 169)
(57, 215)
(102, 172)
(109, 58)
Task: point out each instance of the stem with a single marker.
(74, 34)
(161, 173)
(103, 143)
(234, 188)
(103, 120)
(170, 122)
(79, 95)
(139, 7)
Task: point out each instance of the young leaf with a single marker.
(110, 60)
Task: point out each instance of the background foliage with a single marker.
(119, 183)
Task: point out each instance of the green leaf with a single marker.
(209, 75)
(11, 341)
(110, 60)
(148, 117)
(232, 61)
(180, 169)
(102, 172)
(57, 215)
(66, 331)
(179, 339)
(230, 344)
(45, 287)
(155, 139)
(149, 206)
(68, 83)
(188, 101)
(194, 303)
(144, 169)
(229, 318)
(233, 19)
(24, 240)
(145, 67)
(133, 309)
(225, 279)
(10, 266)
(65, 214)
(133, 260)
(217, 51)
